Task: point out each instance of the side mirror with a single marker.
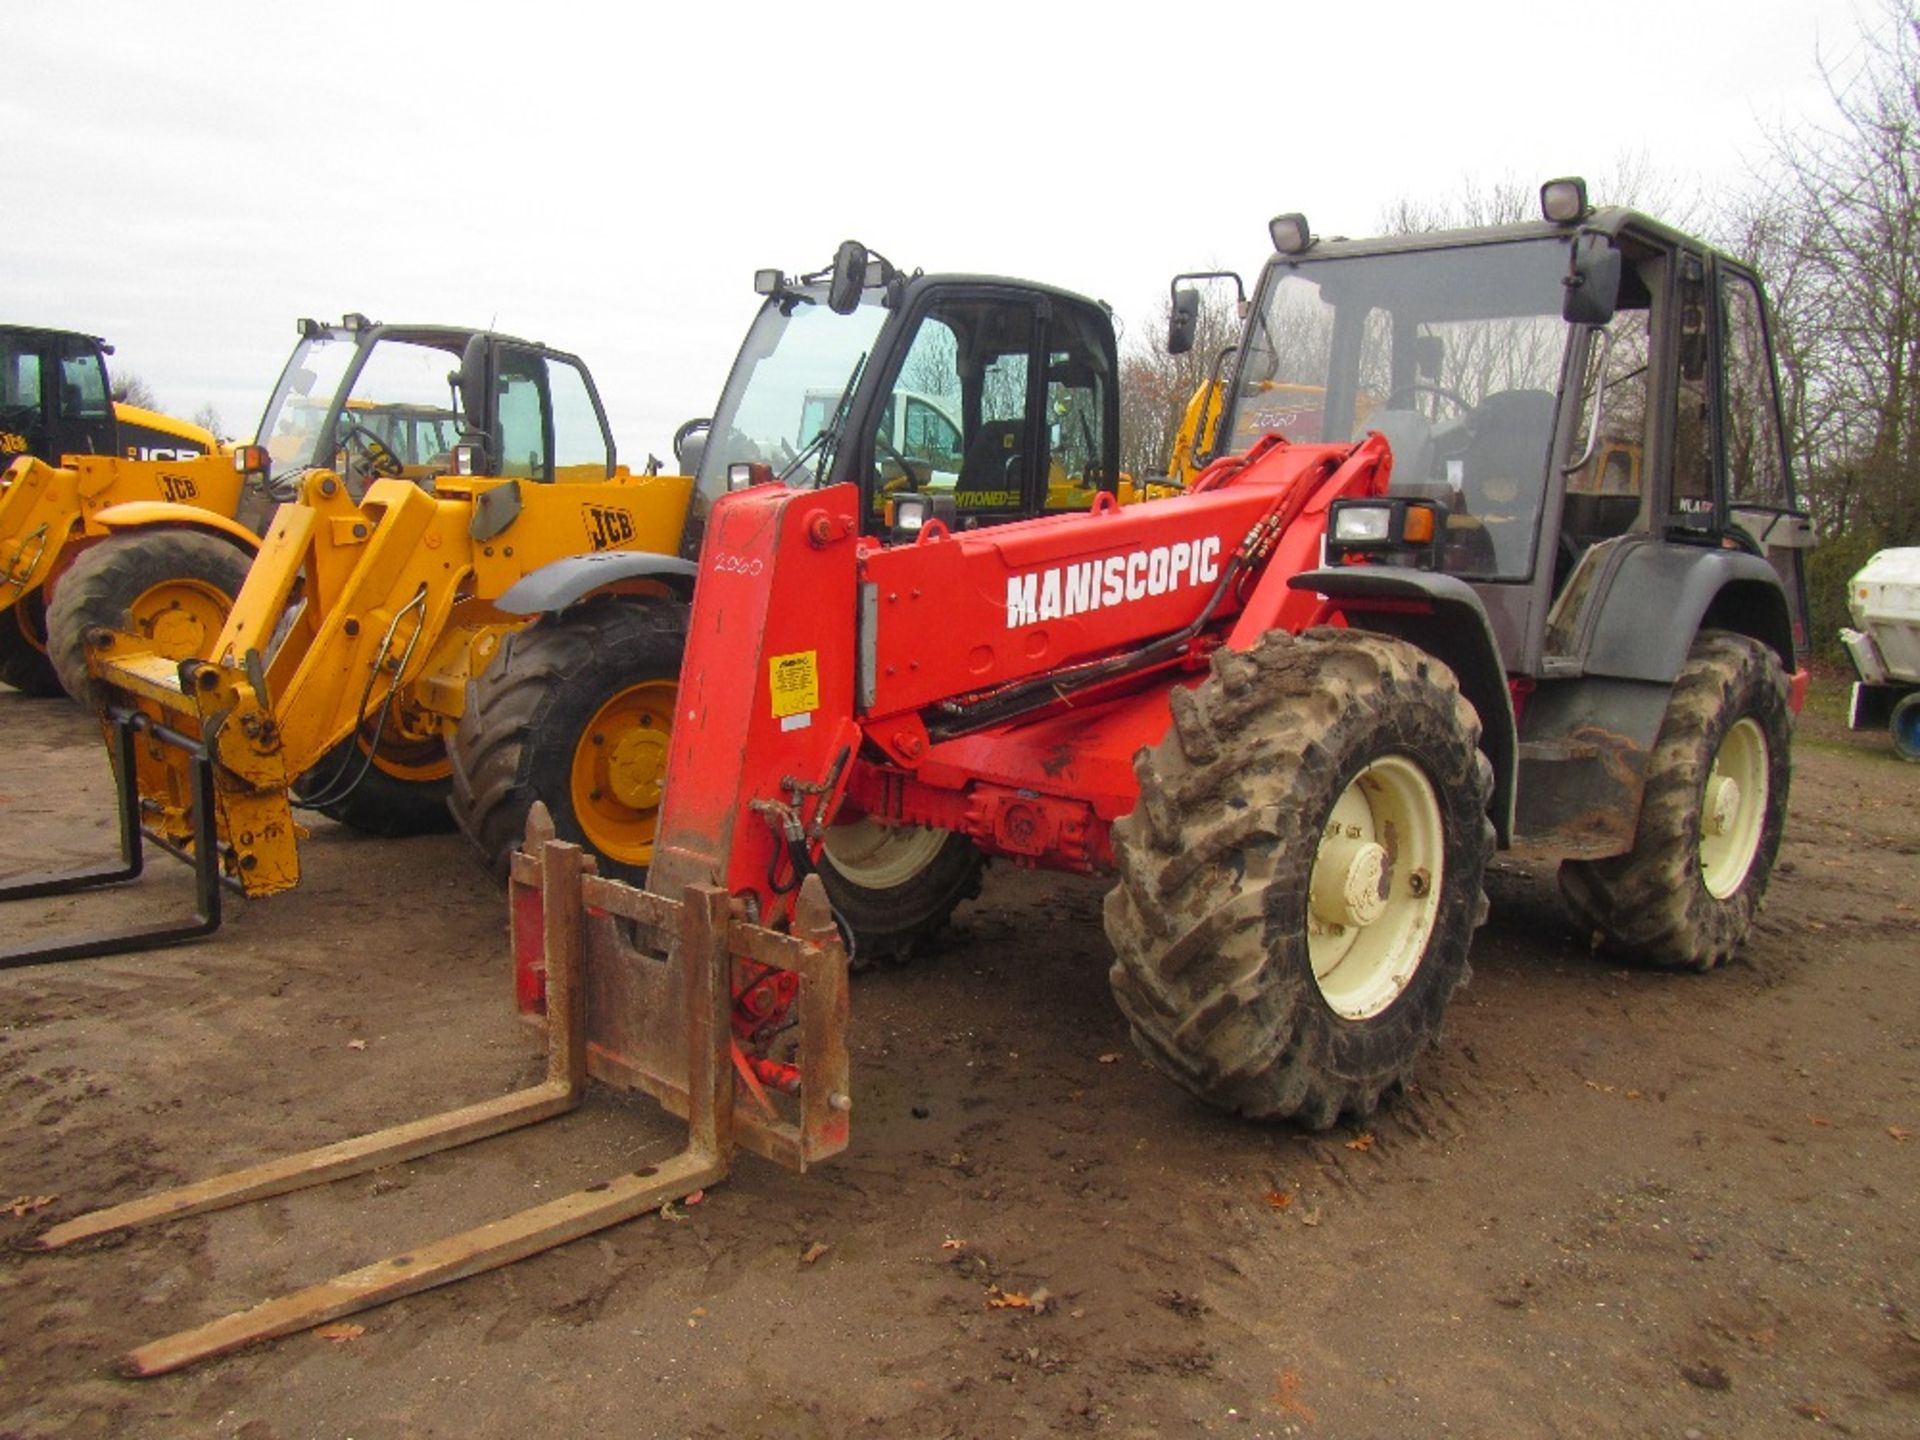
(471, 381)
(1182, 320)
(1593, 281)
(849, 277)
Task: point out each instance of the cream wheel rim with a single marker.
(1374, 893)
(881, 857)
(1733, 809)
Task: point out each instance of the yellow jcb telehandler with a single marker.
(82, 471)
(444, 486)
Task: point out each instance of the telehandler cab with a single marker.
(78, 467)
(1267, 706)
(457, 507)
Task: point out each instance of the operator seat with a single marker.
(989, 469)
(1503, 472)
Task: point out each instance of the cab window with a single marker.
(580, 446)
(1756, 467)
(83, 386)
(19, 378)
(1076, 411)
(523, 434)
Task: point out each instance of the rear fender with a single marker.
(1442, 616)
(152, 514)
(560, 583)
(1660, 598)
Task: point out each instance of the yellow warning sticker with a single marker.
(795, 680)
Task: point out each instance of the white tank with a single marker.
(1885, 600)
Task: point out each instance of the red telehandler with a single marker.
(1264, 705)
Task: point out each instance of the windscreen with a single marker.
(400, 396)
(799, 361)
(1454, 354)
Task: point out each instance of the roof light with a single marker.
(1564, 201)
(767, 282)
(1289, 233)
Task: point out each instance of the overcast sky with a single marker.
(188, 179)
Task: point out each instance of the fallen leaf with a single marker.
(1816, 925)
(1112, 1057)
(1040, 1300)
(1286, 1395)
(669, 1212)
(952, 1244)
(1821, 1121)
(1807, 1410)
(1310, 1217)
(1362, 1143)
(1636, 1095)
(340, 1332)
(814, 1251)
(695, 1198)
(1596, 1085)
(998, 1299)
(356, 1044)
(1279, 1199)
(24, 1205)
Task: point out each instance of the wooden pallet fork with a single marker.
(638, 996)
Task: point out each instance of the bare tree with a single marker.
(208, 419)
(1843, 229)
(130, 389)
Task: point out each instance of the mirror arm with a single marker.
(1599, 406)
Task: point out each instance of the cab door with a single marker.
(997, 397)
(80, 416)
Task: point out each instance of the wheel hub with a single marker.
(635, 764)
(1723, 805)
(1352, 881)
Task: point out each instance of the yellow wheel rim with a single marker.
(181, 617)
(620, 768)
(1374, 893)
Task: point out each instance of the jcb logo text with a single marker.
(607, 527)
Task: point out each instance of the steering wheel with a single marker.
(1416, 387)
(379, 459)
(908, 479)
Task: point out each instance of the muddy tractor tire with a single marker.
(1303, 875)
(23, 651)
(174, 587)
(576, 710)
(1710, 816)
(896, 886)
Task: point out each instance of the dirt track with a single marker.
(1617, 1203)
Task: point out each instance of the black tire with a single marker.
(1655, 903)
(132, 571)
(1214, 921)
(891, 921)
(1904, 726)
(344, 786)
(528, 714)
(23, 650)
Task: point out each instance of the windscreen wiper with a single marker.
(828, 440)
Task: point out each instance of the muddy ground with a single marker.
(1617, 1203)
